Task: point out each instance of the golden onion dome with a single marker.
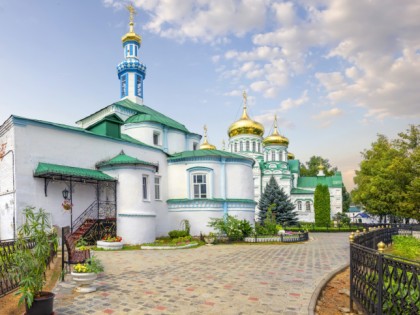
(275, 138)
(245, 125)
(290, 156)
(131, 35)
(206, 145)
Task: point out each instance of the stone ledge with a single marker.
(169, 247)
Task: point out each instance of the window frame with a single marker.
(209, 181)
(308, 206)
(299, 205)
(158, 195)
(145, 188)
(157, 134)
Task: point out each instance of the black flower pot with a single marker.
(42, 305)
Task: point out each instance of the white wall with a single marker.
(57, 146)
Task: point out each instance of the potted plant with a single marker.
(85, 274)
(67, 205)
(30, 264)
(209, 239)
(110, 242)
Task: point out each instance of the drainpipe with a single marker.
(223, 187)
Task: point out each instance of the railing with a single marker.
(285, 238)
(381, 283)
(8, 282)
(96, 211)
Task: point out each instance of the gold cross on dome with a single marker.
(245, 98)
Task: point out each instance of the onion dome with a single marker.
(275, 138)
(245, 125)
(206, 145)
(131, 35)
(290, 156)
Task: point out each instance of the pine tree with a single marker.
(280, 203)
(322, 206)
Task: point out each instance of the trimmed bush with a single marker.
(177, 233)
(322, 206)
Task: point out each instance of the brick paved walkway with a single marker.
(221, 279)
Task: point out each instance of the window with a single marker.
(200, 186)
(273, 155)
(241, 146)
(236, 147)
(259, 147)
(139, 92)
(308, 206)
(247, 146)
(156, 138)
(253, 146)
(124, 86)
(195, 145)
(145, 190)
(299, 204)
(157, 188)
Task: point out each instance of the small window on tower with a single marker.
(123, 86)
(253, 146)
(195, 146)
(247, 146)
(138, 86)
(273, 155)
(156, 138)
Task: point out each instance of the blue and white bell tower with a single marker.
(131, 72)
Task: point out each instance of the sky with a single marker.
(336, 72)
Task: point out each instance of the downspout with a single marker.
(223, 188)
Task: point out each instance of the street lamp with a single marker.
(65, 194)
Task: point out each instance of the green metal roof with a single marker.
(146, 113)
(211, 199)
(47, 170)
(124, 137)
(294, 166)
(207, 153)
(123, 159)
(299, 191)
(334, 181)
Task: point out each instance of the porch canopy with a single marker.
(70, 173)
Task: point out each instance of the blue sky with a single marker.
(335, 72)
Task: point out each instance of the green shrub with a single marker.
(234, 228)
(406, 246)
(177, 233)
(322, 205)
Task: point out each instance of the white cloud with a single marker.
(293, 103)
(326, 117)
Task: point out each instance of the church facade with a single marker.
(129, 163)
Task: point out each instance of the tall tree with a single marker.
(310, 168)
(388, 180)
(275, 198)
(322, 205)
(346, 199)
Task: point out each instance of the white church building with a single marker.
(130, 170)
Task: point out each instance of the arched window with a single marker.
(236, 147)
(308, 206)
(247, 146)
(299, 204)
(241, 146)
(253, 146)
(259, 147)
(266, 156)
(273, 155)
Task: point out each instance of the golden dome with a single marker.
(290, 156)
(245, 125)
(275, 138)
(206, 145)
(131, 35)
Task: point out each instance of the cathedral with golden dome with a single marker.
(138, 173)
(272, 158)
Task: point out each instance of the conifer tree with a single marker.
(322, 206)
(280, 204)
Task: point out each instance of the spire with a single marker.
(206, 145)
(133, 12)
(244, 112)
(223, 144)
(131, 72)
(276, 131)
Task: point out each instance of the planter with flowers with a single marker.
(109, 242)
(85, 274)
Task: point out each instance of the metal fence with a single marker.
(8, 283)
(381, 283)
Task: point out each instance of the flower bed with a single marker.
(176, 243)
(287, 237)
(168, 246)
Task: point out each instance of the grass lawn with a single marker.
(405, 246)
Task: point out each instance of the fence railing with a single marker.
(285, 238)
(8, 282)
(381, 283)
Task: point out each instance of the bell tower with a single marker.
(131, 72)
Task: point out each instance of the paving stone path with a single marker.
(220, 279)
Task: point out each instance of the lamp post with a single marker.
(66, 193)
